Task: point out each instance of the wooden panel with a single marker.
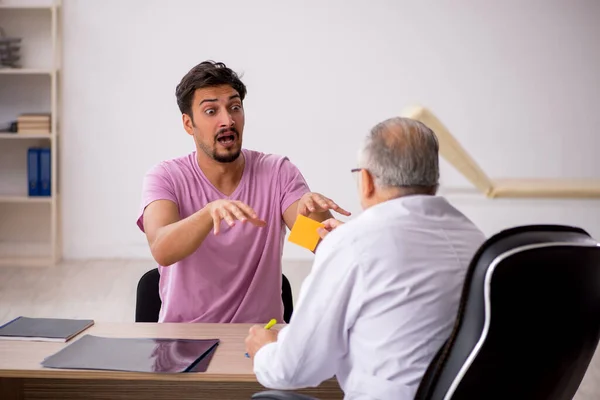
(51, 389)
(11, 389)
(546, 188)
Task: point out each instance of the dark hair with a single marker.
(206, 74)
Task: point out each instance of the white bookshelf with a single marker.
(29, 225)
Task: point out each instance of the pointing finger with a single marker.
(342, 211)
(337, 208)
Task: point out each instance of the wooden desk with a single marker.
(229, 375)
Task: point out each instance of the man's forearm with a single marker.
(178, 240)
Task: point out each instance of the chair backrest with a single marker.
(287, 299)
(148, 302)
(528, 322)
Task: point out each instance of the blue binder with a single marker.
(33, 170)
(45, 174)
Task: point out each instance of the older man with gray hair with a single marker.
(384, 288)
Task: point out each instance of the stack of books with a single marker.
(10, 48)
(33, 124)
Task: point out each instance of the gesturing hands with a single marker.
(231, 210)
(317, 203)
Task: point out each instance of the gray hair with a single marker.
(403, 153)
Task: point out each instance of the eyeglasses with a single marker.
(357, 178)
(353, 170)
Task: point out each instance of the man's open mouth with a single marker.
(226, 139)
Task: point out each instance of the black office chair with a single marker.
(528, 322)
(148, 301)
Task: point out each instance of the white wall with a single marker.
(516, 82)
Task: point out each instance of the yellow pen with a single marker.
(268, 326)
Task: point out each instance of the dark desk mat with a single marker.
(135, 355)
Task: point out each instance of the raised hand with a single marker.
(230, 211)
(317, 203)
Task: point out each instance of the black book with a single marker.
(43, 329)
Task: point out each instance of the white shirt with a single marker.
(379, 302)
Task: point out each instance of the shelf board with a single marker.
(25, 71)
(19, 262)
(546, 188)
(24, 199)
(25, 136)
(27, 4)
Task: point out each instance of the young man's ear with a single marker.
(188, 124)
(367, 184)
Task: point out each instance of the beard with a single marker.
(225, 158)
(230, 155)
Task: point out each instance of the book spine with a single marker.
(45, 173)
(33, 171)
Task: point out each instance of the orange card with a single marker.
(304, 232)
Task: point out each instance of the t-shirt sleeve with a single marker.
(157, 185)
(292, 183)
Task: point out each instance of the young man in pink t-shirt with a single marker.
(216, 219)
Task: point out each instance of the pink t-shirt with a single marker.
(234, 276)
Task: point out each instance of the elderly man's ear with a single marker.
(367, 184)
